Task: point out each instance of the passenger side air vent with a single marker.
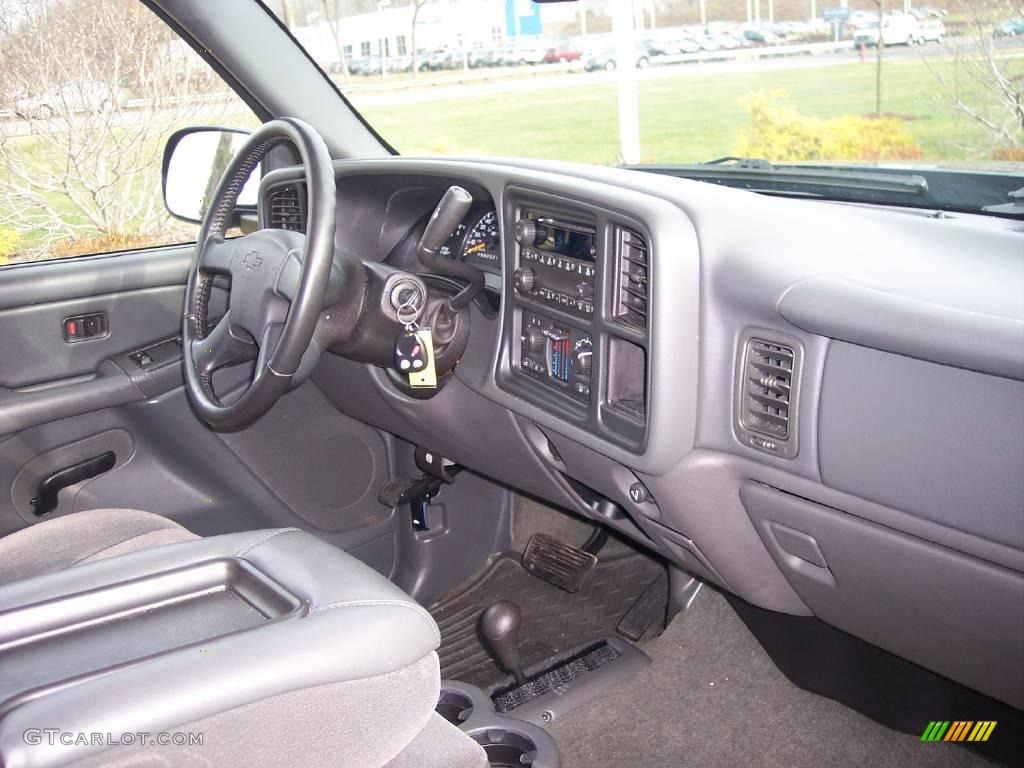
(287, 208)
(767, 394)
(632, 287)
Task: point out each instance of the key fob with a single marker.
(411, 355)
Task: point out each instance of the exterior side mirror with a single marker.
(194, 161)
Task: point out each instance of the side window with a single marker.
(89, 93)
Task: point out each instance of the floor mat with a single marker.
(553, 620)
(712, 698)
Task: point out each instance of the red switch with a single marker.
(72, 328)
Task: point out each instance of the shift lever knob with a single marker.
(500, 628)
(450, 212)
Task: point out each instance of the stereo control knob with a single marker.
(534, 340)
(585, 290)
(529, 232)
(582, 358)
(525, 280)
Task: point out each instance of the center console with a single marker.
(576, 326)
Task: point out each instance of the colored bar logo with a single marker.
(958, 730)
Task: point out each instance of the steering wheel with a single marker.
(279, 280)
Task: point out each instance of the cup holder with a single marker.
(508, 741)
(505, 749)
(453, 706)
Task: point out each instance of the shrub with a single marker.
(779, 133)
(9, 239)
(103, 243)
(1005, 154)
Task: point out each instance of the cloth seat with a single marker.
(344, 674)
(83, 537)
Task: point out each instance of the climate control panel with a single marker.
(558, 355)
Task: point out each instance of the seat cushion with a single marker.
(83, 537)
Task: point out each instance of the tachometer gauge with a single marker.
(483, 242)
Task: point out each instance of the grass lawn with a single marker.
(686, 118)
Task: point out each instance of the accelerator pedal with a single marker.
(557, 563)
(648, 608)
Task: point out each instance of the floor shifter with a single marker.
(499, 626)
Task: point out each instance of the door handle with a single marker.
(51, 485)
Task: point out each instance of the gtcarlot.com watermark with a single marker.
(56, 737)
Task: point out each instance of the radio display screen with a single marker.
(568, 242)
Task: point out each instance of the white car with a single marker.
(77, 96)
(931, 30)
(897, 29)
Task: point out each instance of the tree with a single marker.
(332, 20)
(984, 84)
(102, 85)
(879, 47)
(417, 5)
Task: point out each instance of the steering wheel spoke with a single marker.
(216, 255)
(222, 347)
(268, 345)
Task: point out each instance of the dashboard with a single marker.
(823, 425)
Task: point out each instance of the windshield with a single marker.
(760, 79)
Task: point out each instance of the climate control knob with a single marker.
(529, 232)
(525, 280)
(534, 340)
(582, 358)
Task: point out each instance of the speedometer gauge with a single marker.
(483, 242)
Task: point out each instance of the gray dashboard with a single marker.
(884, 495)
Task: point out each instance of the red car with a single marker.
(561, 54)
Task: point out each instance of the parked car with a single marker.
(670, 43)
(1010, 28)
(562, 53)
(897, 29)
(761, 36)
(71, 97)
(482, 57)
(607, 59)
(529, 53)
(931, 30)
(400, 64)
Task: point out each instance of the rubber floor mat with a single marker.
(553, 620)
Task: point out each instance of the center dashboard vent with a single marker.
(287, 208)
(632, 279)
(767, 394)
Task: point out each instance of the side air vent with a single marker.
(632, 285)
(767, 393)
(287, 209)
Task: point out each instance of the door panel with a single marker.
(140, 294)
(304, 464)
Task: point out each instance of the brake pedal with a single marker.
(558, 563)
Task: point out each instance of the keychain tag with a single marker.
(425, 378)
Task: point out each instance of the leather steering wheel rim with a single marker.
(279, 279)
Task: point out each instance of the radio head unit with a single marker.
(557, 262)
(564, 238)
